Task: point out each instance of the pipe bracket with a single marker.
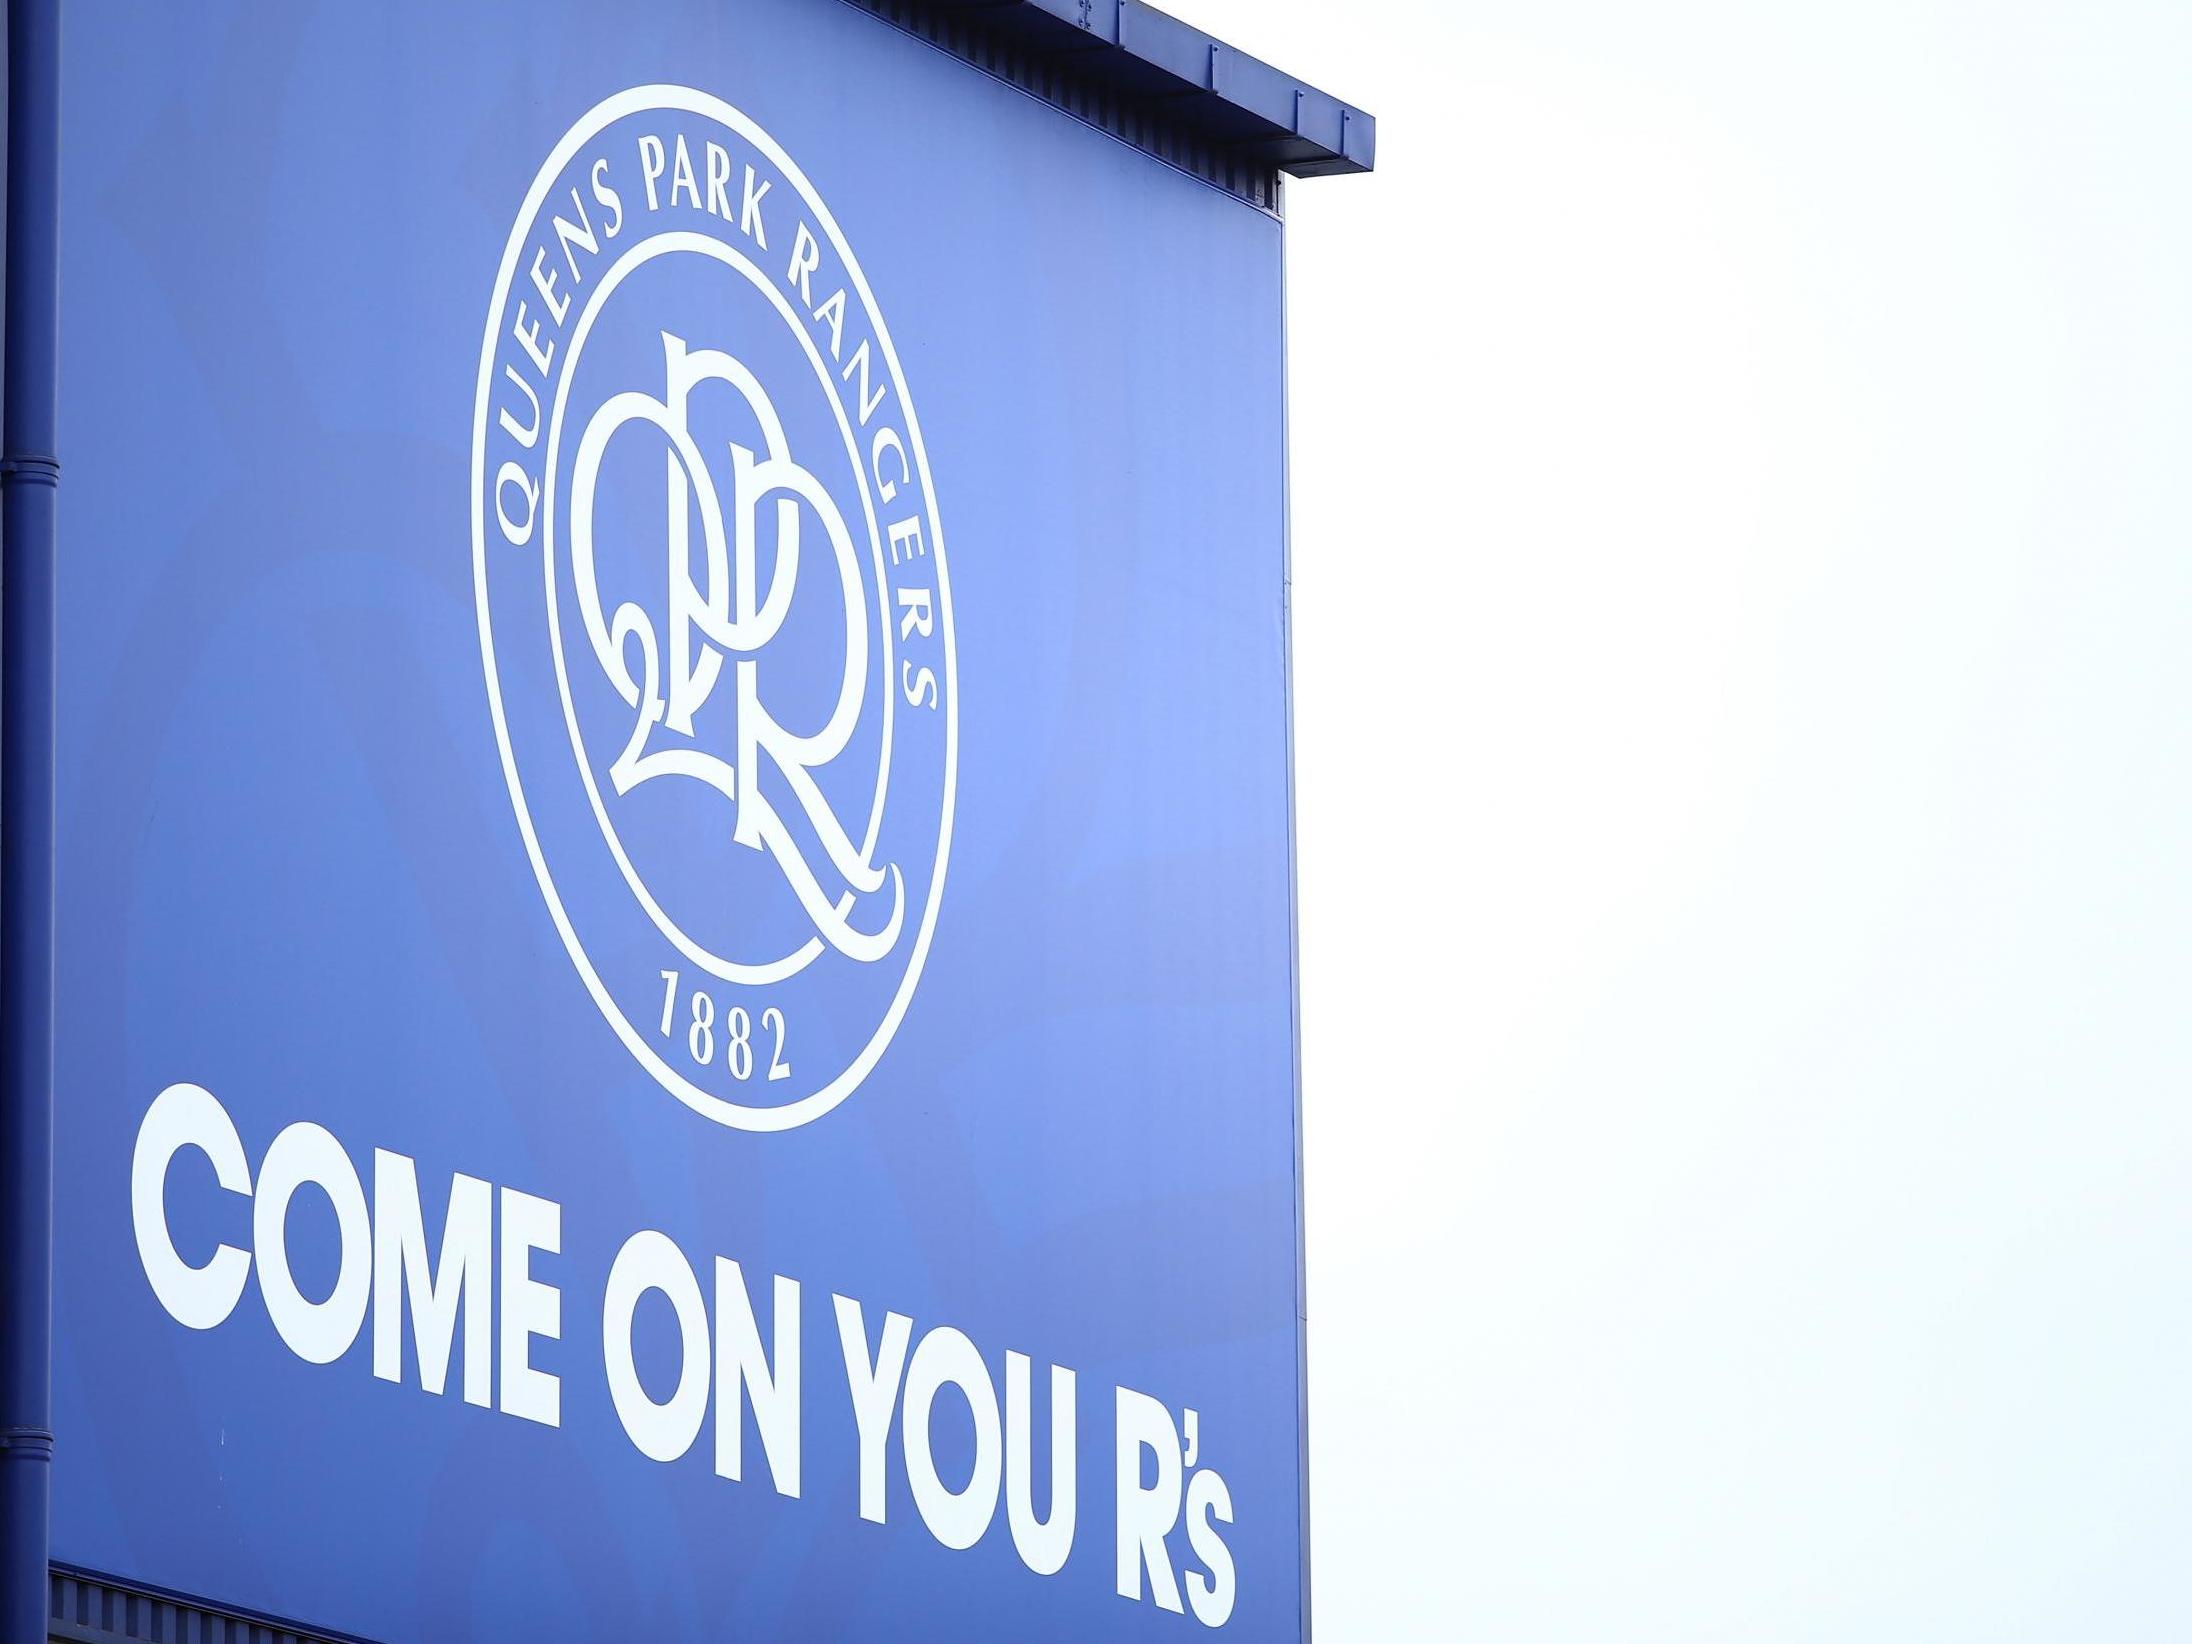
(30, 470)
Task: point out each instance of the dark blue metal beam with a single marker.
(29, 482)
(1204, 85)
(1308, 132)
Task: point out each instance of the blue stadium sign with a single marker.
(670, 964)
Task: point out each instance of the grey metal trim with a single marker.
(1154, 83)
(88, 1608)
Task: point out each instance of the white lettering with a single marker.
(651, 1261)
(609, 197)
(741, 1363)
(806, 258)
(905, 539)
(1043, 1545)
(914, 602)
(1146, 1517)
(529, 1307)
(529, 339)
(719, 178)
(187, 1116)
(580, 233)
(1207, 1499)
(832, 311)
(874, 1391)
(886, 438)
(681, 175)
(749, 209)
(868, 402)
(319, 1332)
(437, 1293)
(517, 532)
(544, 282)
(945, 1357)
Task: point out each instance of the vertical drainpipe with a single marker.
(29, 480)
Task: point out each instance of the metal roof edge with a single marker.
(1205, 85)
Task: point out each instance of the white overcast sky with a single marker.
(1743, 555)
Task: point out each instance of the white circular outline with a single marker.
(685, 99)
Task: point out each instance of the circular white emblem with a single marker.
(713, 608)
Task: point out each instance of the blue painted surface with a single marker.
(289, 869)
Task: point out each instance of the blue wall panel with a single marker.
(291, 871)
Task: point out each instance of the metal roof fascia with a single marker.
(1204, 83)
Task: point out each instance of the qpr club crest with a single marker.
(713, 609)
